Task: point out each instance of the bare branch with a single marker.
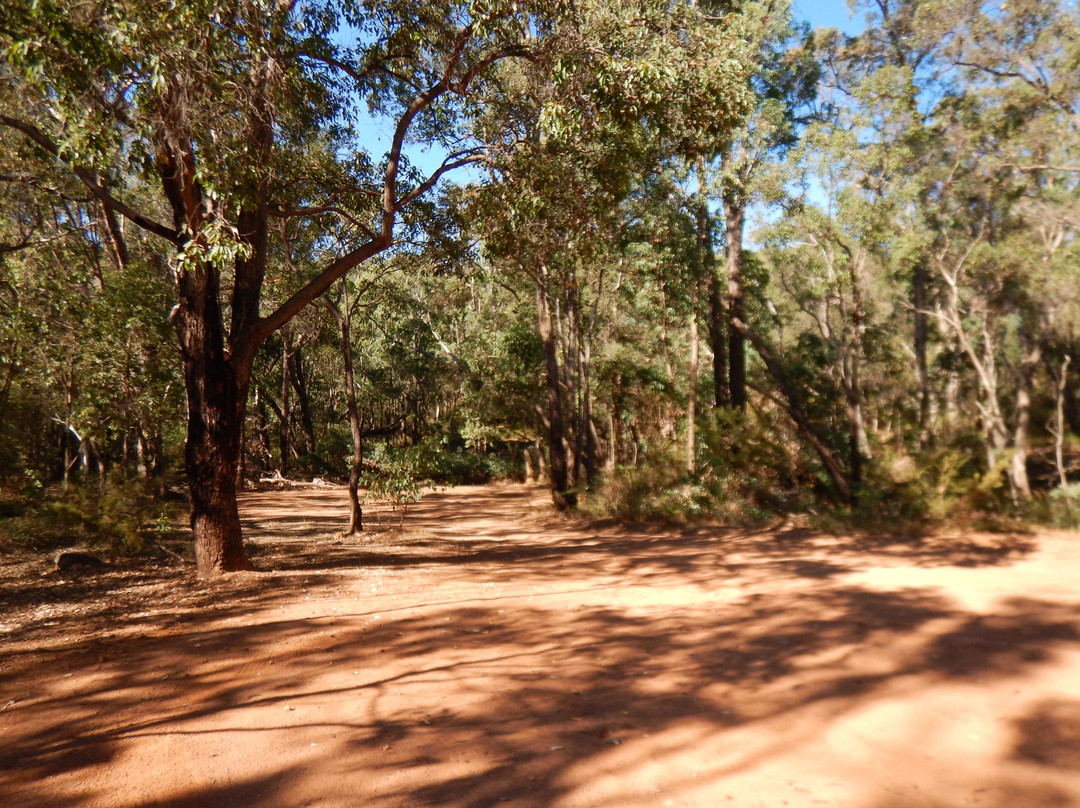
(448, 165)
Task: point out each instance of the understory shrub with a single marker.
(928, 487)
(1059, 507)
(124, 518)
(440, 461)
(747, 473)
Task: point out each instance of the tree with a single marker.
(783, 89)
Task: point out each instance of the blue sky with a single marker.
(828, 14)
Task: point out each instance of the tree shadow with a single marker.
(1050, 735)
(461, 696)
(534, 694)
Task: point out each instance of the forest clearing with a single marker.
(539, 402)
(492, 652)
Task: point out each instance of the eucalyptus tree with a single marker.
(1022, 60)
(783, 91)
(886, 83)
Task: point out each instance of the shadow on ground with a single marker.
(463, 703)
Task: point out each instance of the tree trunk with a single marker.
(69, 401)
(216, 405)
(922, 373)
(691, 406)
(9, 377)
(718, 341)
(717, 315)
(530, 473)
(299, 384)
(734, 216)
(344, 319)
(589, 438)
(356, 511)
(1059, 422)
(1021, 437)
(558, 468)
(284, 437)
(852, 355)
(541, 468)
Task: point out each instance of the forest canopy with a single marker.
(676, 259)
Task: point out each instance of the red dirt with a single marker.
(492, 654)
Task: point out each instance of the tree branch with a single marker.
(88, 179)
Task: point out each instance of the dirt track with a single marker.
(492, 654)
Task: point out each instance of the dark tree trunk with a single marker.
(216, 403)
(9, 377)
(356, 511)
(586, 427)
(922, 373)
(299, 383)
(558, 468)
(717, 314)
(344, 320)
(284, 414)
(734, 214)
(718, 341)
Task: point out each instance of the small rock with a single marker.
(67, 560)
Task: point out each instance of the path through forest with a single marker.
(491, 653)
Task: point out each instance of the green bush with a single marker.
(929, 487)
(1059, 507)
(745, 475)
(643, 492)
(123, 518)
(436, 459)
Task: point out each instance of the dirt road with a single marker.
(492, 654)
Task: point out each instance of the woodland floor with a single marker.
(490, 653)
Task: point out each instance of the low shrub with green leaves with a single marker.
(124, 518)
(1058, 507)
(745, 475)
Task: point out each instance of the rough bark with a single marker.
(216, 403)
(558, 468)
(734, 216)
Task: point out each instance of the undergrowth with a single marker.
(125, 518)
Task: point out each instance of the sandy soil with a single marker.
(492, 654)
